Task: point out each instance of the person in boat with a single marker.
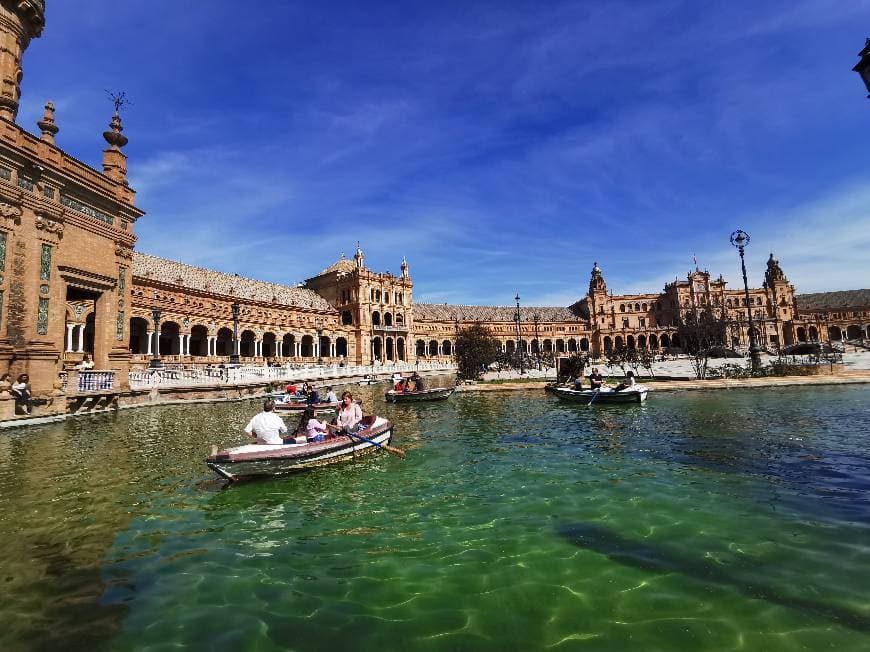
(578, 383)
(409, 385)
(348, 416)
(596, 380)
(331, 396)
(267, 426)
(290, 390)
(400, 386)
(419, 385)
(311, 396)
(311, 427)
(627, 382)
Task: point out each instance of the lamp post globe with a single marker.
(740, 239)
(234, 356)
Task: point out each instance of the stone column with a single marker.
(180, 344)
(157, 343)
(150, 342)
(69, 337)
(81, 344)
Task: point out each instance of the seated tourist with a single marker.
(596, 380)
(85, 364)
(578, 383)
(349, 415)
(400, 386)
(419, 385)
(311, 396)
(312, 429)
(627, 382)
(267, 426)
(331, 396)
(21, 392)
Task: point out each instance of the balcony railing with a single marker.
(95, 381)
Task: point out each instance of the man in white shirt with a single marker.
(267, 426)
(330, 396)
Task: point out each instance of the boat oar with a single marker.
(390, 449)
(594, 396)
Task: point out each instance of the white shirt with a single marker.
(267, 427)
(330, 398)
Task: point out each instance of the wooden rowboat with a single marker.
(265, 460)
(634, 394)
(434, 394)
(298, 407)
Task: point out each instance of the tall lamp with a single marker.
(234, 356)
(155, 361)
(740, 239)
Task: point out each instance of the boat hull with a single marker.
(637, 394)
(436, 394)
(261, 461)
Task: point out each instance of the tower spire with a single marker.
(47, 126)
(114, 160)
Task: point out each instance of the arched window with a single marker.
(376, 318)
(446, 347)
(643, 307)
(433, 348)
(388, 319)
(346, 318)
(637, 307)
(621, 307)
(420, 347)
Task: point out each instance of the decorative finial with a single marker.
(114, 161)
(47, 125)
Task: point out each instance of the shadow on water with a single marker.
(660, 559)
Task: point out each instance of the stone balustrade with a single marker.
(192, 377)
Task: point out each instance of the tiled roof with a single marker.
(341, 265)
(833, 300)
(446, 312)
(207, 280)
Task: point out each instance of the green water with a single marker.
(734, 520)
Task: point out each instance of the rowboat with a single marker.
(633, 394)
(368, 380)
(434, 394)
(265, 460)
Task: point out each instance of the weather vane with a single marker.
(119, 99)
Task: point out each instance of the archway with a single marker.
(198, 341)
(224, 342)
(325, 345)
(834, 333)
(376, 318)
(341, 346)
(346, 318)
(269, 340)
(377, 348)
(306, 347)
(608, 344)
(653, 342)
(389, 348)
(560, 346)
(666, 341)
(641, 342)
(420, 347)
(617, 342)
(433, 348)
(510, 347)
(584, 344)
(548, 346)
(675, 340)
(446, 347)
(630, 341)
(572, 345)
(814, 334)
(400, 319)
(246, 343)
(400, 348)
(138, 335)
(801, 334)
(852, 332)
(169, 344)
(288, 346)
(388, 319)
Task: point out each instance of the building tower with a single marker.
(780, 301)
(20, 21)
(597, 308)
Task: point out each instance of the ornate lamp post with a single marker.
(519, 335)
(319, 341)
(740, 239)
(535, 318)
(863, 67)
(155, 361)
(234, 356)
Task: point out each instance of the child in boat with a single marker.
(313, 429)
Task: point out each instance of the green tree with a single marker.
(476, 349)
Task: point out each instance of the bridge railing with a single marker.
(193, 376)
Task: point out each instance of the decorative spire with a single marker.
(358, 257)
(47, 126)
(404, 268)
(114, 161)
(597, 280)
(774, 271)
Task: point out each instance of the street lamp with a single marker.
(234, 356)
(537, 341)
(319, 341)
(740, 239)
(155, 361)
(863, 67)
(519, 335)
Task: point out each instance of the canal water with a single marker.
(700, 521)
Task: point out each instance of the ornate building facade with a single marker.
(71, 284)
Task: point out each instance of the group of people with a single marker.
(310, 394)
(413, 383)
(596, 381)
(268, 428)
(22, 393)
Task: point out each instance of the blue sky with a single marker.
(502, 147)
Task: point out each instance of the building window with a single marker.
(5, 174)
(642, 322)
(2, 251)
(45, 263)
(27, 184)
(48, 192)
(42, 317)
(625, 323)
